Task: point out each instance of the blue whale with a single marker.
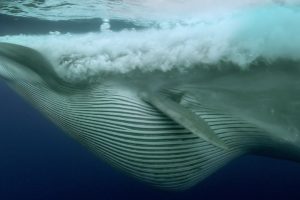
(171, 136)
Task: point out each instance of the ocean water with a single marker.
(251, 47)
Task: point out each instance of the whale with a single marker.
(171, 137)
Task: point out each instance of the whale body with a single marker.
(172, 137)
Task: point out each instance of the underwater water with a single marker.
(243, 56)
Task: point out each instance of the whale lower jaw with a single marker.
(144, 137)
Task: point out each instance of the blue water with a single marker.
(40, 162)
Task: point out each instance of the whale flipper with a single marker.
(184, 117)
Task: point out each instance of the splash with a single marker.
(241, 38)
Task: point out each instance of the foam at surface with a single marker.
(241, 37)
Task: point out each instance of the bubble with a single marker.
(105, 26)
(54, 33)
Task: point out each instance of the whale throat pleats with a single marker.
(139, 136)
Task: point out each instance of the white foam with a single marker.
(271, 32)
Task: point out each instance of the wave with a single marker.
(265, 33)
(145, 12)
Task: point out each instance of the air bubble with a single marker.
(105, 26)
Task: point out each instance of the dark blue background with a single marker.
(39, 162)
